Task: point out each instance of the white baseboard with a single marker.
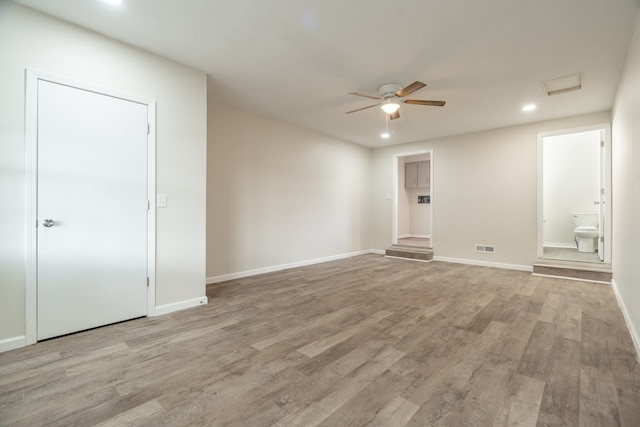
(248, 273)
(21, 341)
(625, 313)
(180, 305)
(408, 259)
(571, 245)
(13, 343)
(484, 263)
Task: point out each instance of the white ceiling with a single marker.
(297, 60)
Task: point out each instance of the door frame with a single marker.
(396, 170)
(605, 171)
(32, 77)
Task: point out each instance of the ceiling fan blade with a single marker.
(424, 102)
(395, 115)
(407, 90)
(363, 108)
(364, 94)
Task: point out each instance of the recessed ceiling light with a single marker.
(113, 1)
(529, 107)
(385, 135)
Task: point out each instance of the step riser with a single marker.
(570, 273)
(409, 255)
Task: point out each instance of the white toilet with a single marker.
(586, 230)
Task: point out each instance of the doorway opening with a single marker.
(412, 199)
(574, 197)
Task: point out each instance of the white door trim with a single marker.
(607, 210)
(394, 214)
(31, 157)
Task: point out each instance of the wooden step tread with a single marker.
(411, 248)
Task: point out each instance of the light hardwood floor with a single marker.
(362, 341)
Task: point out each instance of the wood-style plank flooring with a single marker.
(362, 341)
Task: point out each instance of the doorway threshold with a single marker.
(574, 270)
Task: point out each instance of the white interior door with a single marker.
(92, 209)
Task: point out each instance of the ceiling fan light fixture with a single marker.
(390, 106)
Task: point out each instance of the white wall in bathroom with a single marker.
(571, 176)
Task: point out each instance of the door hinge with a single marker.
(147, 281)
(602, 191)
(601, 143)
(602, 239)
(148, 204)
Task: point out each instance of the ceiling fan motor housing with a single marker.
(389, 90)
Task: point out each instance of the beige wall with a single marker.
(280, 195)
(626, 187)
(32, 40)
(484, 191)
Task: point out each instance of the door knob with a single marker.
(48, 222)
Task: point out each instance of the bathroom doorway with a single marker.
(412, 199)
(574, 191)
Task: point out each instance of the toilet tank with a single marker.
(585, 219)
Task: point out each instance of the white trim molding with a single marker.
(605, 129)
(408, 259)
(257, 271)
(484, 263)
(180, 305)
(625, 313)
(248, 273)
(13, 343)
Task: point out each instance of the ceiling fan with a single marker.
(391, 95)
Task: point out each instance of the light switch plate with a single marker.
(162, 200)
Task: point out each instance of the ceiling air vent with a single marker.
(563, 84)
